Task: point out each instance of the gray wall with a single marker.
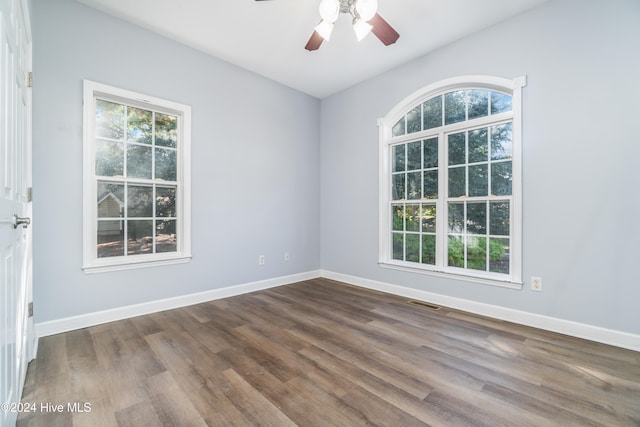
(275, 170)
(581, 151)
(255, 167)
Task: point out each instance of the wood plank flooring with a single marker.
(322, 353)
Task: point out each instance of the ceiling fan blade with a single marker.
(314, 42)
(383, 30)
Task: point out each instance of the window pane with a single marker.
(428, 218)
(456, 218)
(110, 238)
(477, 218)
(500, 102)
(414, 120)
(429, 249)
(109, 120)
(412, 249)
(501, 142)
(433, 113)
(166, 236)
(166, 130)
(478, 145)
(414, 155)
(139, 125)
(398, 246)
(398, 187)
(109, 158)
(457, 149)
(140, 237)
(477, 171)
(165, 164)
(414, 185)
(478, 103)
(139, 201)
(501, 179)
(397, 213)
(499, 255)
(166, 202)
(457, 182)
(499, 218)
(454, 107)
(110, 200)
(477, 253)
(132, 179)
(455, 251)
(138, 161)
(430, 190)
(399, 128)
(398, 158)
(412, 220)
(478, 180)
(430, 153)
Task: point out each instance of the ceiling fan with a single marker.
(365, 19)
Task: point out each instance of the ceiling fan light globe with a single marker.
(329, 10)
(324, 28)
(367, 9)
(362, 28)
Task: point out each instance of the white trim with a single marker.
(53, 327)
(462, 275)
(93, 264)
(516, 171)
(384, 174)
(568, 327)
(385, 125)
(446, 85)
(32, 340)
(143, 262)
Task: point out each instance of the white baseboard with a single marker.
(567, 327)
(53, 327)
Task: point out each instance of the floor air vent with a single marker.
(425, 304)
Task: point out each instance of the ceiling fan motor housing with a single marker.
(346, 6)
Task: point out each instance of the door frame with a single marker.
(18, 332)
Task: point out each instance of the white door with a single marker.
(16, 327)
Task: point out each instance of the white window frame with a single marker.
(386, 141)
(91, 262)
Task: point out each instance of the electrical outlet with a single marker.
(286, 257)
(261, 260)
(536, 284)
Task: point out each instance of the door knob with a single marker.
(21, 221)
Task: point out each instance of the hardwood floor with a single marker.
(321, 353)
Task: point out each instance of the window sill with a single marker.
(103, 267)
(453, 276)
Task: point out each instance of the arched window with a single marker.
(450, 180)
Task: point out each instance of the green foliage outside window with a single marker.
(477, 171)
(476, 253)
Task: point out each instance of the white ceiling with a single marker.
(268, 37)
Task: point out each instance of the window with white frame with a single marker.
(136, 179)
(450, 181)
